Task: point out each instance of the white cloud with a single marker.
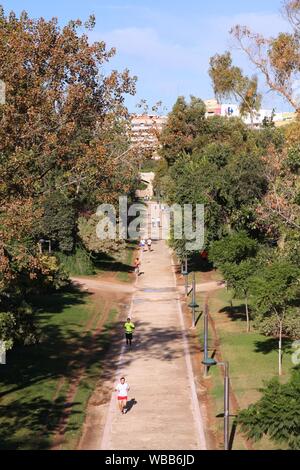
(145, 44)
(206, 37)
(169, 64)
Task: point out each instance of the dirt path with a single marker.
(164, 409)
(95, 284)
(116, 294)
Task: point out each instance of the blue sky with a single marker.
(167, 44)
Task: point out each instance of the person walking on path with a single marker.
(137, 264)
(122, 388)
(149, 244)
(129, 328)
(143, 244)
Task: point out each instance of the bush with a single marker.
(293, 159)
(19, 326)
(78, 263)
(268, 326)
(276, 414)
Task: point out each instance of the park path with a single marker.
(164, 411)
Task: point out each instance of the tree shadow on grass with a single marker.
(59, 344)
(29, 416)
(30, 423)
(199, 264)
(111, 265)
(236, 313)
(271, 344)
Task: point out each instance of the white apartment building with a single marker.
(146, 129)
(213, 108)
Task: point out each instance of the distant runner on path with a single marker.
(137, 264)
(129, 329)
(122, 388)
(143, 244)
(149, 244)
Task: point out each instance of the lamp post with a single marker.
(193, 305)
(206, 358)
(185, 273)
(211, 362)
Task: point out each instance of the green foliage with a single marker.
(218, 154)
(239, 276)
(234, 248)
(185, 122)
(268, 326)
(218, 165)
(18, 326)
(293, 159)
(87, 232)
(78, 263)
(275, 292)
(276, 414)
(58, 222)
(229, 82)
(235, 257)
(275, 287)
(64, 142)
(243, 182)
(270, 136)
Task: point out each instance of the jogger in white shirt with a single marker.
(122, 388)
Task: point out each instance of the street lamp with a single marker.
(185, 273)
(206, 358)
(211, 362)
(193, 305)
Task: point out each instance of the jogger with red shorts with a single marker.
(122, 388)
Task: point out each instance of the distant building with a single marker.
(213, 108)
(146, 129)
(282, 119)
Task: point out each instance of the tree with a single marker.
(276, 414)
(279, 208)
(235, 255)
(87, 231)
(229, 82)
(276, 58)
(275, 290)
(239, 277)
(184, 123)
(58, 222)
(234, 248)
(64, 141)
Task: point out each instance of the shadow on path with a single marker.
(130, 404)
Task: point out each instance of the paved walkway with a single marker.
(164, 412)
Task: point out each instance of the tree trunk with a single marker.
(282, 242)
(280, 348)
(247, 314)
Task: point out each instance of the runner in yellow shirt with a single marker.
(129, 328)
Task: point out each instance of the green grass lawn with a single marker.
(35, 381)
(87, 385)
(120, 264)
(127, 259)
(253, 358)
